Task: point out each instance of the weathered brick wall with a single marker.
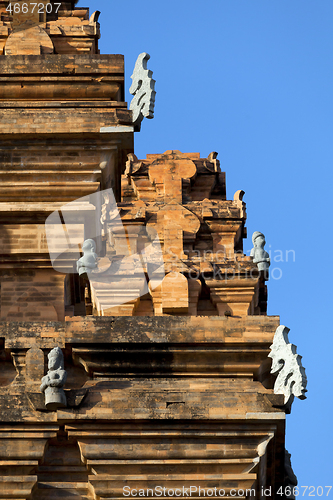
(53, 151)
(32, 295)
(175, 401)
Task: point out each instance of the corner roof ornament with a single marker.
(291, 380)
(143, 90)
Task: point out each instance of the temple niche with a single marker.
(135, 346)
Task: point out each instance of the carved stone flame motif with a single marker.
(291, 379)
(143, 89)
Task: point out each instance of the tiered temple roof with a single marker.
(166, 342)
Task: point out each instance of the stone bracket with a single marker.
(74, 399)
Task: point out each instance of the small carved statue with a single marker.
(260, 256)
(89, 260)
(53, 382)
(143, 89)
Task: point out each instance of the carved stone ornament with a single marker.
(291, 379)
(143, 90)
(53, 382)
(89, 260)
(259, 254)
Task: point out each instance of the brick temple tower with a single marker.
(177, 380)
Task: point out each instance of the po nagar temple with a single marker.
(139, 358)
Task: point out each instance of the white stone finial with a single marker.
(143, 89)
(259, 254)
(89, 260)
(53, 382)
(291, 379)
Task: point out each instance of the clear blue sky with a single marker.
(253, 80)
